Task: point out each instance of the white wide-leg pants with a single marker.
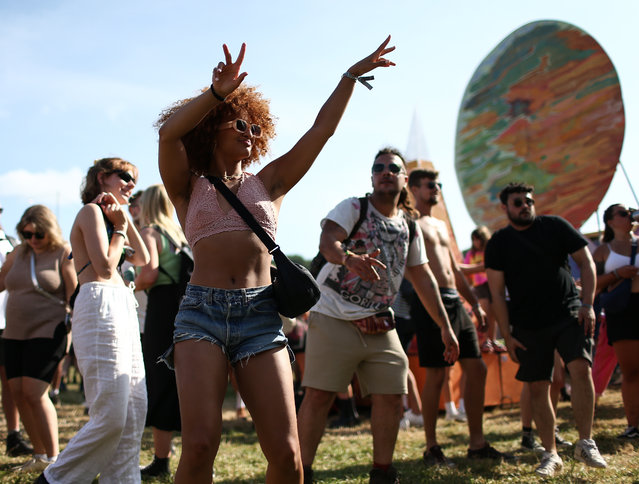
(107, 346)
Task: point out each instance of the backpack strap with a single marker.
(363, 210)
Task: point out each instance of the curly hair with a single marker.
(91, 186)
(43, 219)
(200, 141)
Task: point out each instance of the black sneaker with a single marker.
(630, 433)
(528, 442)
(435, 457)
(308, 475)
(17, 445)
(41, 479)
(559, 442)
(157, 468)
(488, 452)
(379, 476)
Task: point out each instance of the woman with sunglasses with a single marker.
(612, 259)
(106, 337)
(221, 132)
(39, 279)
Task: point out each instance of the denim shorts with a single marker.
(242, 322)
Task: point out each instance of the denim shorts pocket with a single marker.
(191, 302)
(263, 306)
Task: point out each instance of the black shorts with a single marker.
(430, 347)
(37, 357)
(1, 348)
(482, 292)
(624, 325)
(566, 336)
(405, 330)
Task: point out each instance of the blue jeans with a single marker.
(242, 322)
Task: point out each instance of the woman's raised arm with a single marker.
(282, 174)
(174, 164)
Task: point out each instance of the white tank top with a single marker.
(615, 260)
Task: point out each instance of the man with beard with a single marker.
(529, 257)
(346, 330)
(426, 189)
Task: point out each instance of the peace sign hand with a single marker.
(374, 60)
(226, 76)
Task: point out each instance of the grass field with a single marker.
(344, 455)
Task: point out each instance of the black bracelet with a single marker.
(216, 95)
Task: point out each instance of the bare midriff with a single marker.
(231, 260)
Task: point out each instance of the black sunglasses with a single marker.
(125, 176)
(431, 184)
(518, 202)
(392, 167)
(241, 126)
(26, 234)
(622, 213)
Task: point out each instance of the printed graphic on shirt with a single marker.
(391, 237)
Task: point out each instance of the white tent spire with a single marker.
(416, 148)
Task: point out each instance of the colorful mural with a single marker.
(544, 108)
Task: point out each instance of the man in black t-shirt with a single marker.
(530, 258)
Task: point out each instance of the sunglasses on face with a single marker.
(241, 126)
(519, 202)
(623, 213)
(432, 184)
(27, 235)
(394, 168)
(125, 176)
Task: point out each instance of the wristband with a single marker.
(120, 232)
(362, 79)
(616, 274)
(216, 95)
(589, 306)
(348, 254)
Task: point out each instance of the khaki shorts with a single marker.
(336, 349)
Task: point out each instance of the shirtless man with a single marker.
(426, 190)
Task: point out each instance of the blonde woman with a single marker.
(160, 278)
(39, 279)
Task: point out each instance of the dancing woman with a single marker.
(228, 312)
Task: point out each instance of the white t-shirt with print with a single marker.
(344, 294)
(5, 248)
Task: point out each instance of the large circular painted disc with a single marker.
(543, 108)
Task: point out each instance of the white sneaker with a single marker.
(586, 451)
(415, 419)
(550, 463)
(457, 416)
(35, 464)
(404, 423)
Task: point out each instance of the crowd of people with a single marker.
(154, 351)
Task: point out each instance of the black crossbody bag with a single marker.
(294, 288)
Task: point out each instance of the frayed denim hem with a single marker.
(167, 356)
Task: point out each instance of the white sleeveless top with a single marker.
(616, 260)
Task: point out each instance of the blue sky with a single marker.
(81, 80)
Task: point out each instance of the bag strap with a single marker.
(244, 213)
(34, 279)
(633, 252)
(363, 209)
